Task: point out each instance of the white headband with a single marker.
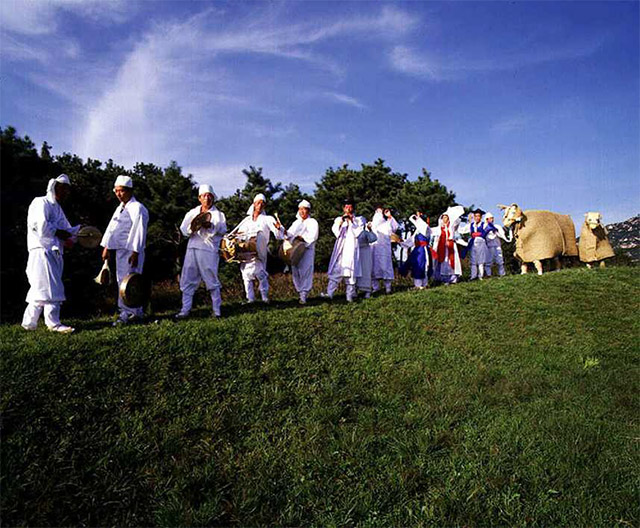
(206, 188)
(123, 181)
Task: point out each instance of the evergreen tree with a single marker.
(45, 151)
(235, 206)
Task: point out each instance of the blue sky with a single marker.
(530, 102)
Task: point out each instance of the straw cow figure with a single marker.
(540, 235)
(594, 243)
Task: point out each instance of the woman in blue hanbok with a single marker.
(419, 262)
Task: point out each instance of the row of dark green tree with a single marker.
(168, 194)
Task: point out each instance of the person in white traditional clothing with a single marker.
(48, 232)
(383, 225)
(204, 225)
(366, 239)
(258, 224)
(126, 236)
(345, 259)
(444, 238)
(306, 228)
(495, 232)
(478, 244)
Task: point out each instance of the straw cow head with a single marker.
(511, 214)
(593, 220)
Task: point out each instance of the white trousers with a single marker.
(44, 272)
(479, 256)
(350, 283)
(302, 274)
(366, 265)
(495, 257)
(123, 268)
(477, 271)
(387, 285)
(35, 309)
(251, 271)
(200, 265)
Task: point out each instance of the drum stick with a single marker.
(281, 224)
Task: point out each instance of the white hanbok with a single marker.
(366, 239)
(302, 273)
(45, 264)
(126, 234)
(261, 227)
(345, 258)
(382, 261)
(494, 249)
(202, 258)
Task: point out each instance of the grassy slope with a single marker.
(510, 402)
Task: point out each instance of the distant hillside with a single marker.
(626, 237)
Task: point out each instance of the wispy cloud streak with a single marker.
(178, 75)
(461, 64)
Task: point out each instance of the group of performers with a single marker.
(361, 257)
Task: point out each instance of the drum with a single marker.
(89, 237)
(196, 223)
(235, 249)
(292, 251)
(395, 238)
(134, 290)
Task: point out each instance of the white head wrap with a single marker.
(123, 181)
(454, 213)
(206, 188)
(63, 178)
(488, 215)
(51, 186)
(303, 203)
(256, 198)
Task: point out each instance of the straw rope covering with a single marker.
(542, 235)
(594, 244)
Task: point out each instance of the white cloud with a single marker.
(179, 80)
(225, 179)
(19, 50)
(41, 17)
(407, 60)
(345, 99)
(461, 63)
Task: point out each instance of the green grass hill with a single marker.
(511, 402)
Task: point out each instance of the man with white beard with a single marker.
(48, 232)
(345, 259)
(383, 225)
(204, 225)
(126, 235)
(258, 224)
(306, 228)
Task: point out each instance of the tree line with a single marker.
(168, 194)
